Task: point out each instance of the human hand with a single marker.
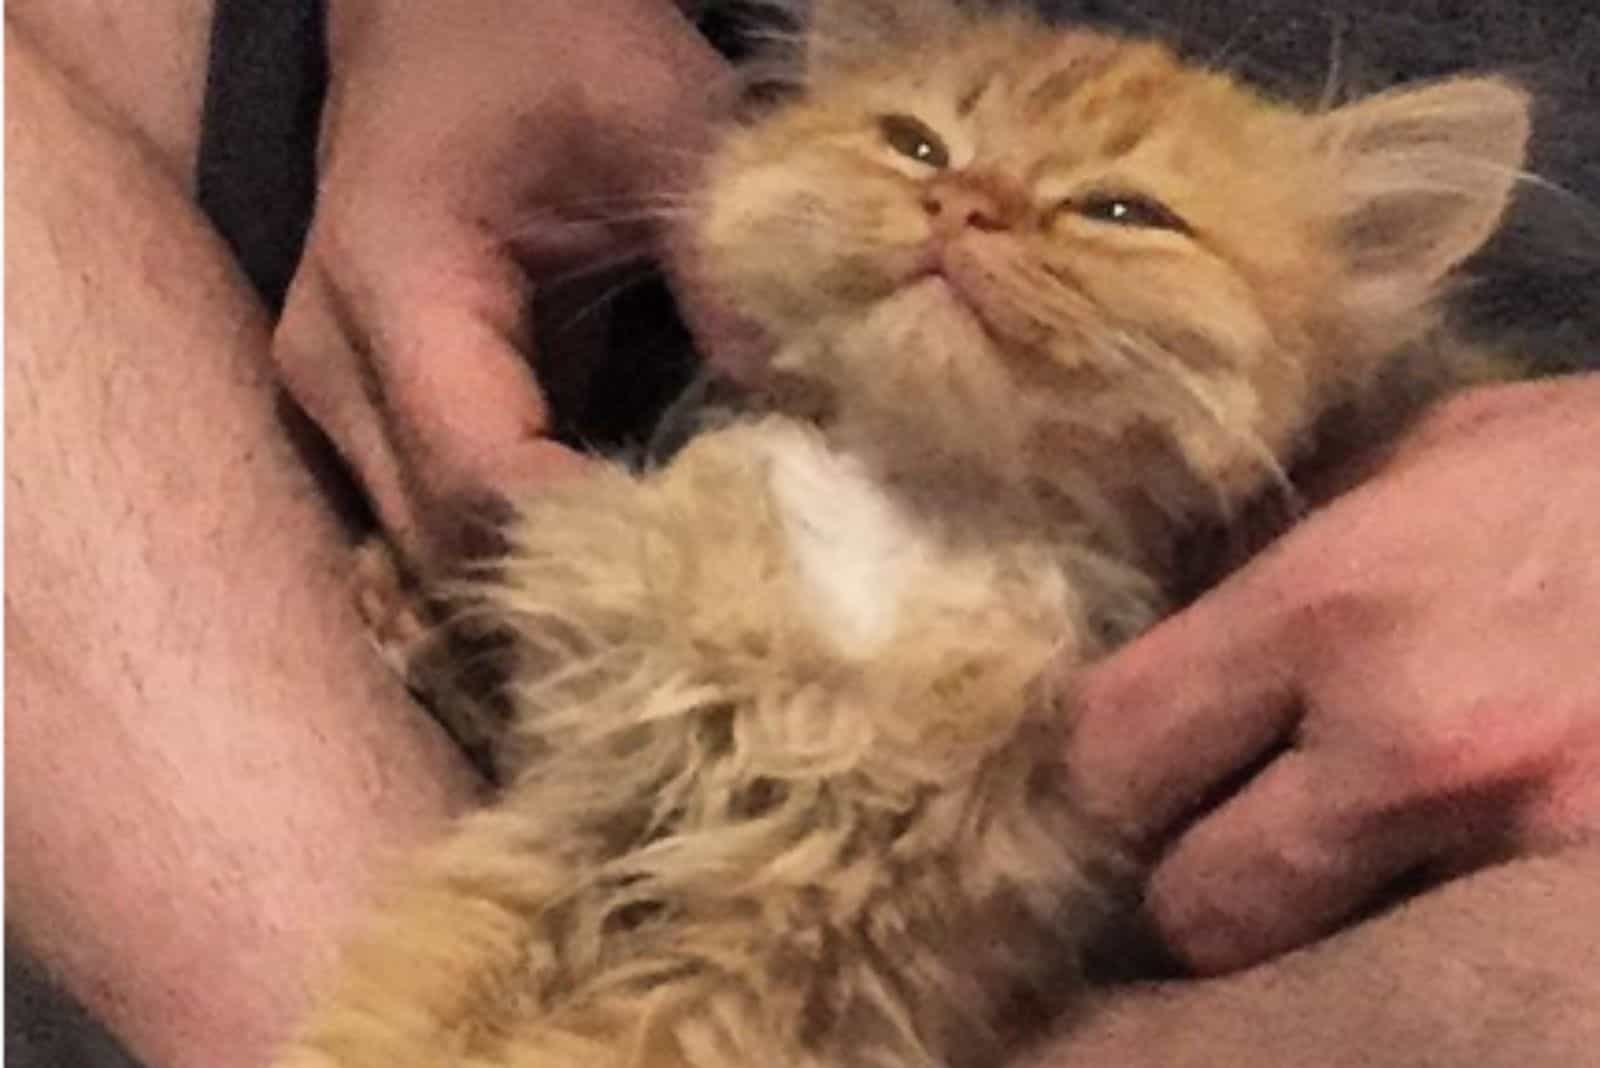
(468, 150)
(1408, 683)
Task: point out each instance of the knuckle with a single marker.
(1328, 618)
(1462, 751)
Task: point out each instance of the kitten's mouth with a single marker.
(930, 275)
(959, 283)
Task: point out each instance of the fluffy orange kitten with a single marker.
(785, 712)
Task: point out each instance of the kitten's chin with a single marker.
(933, 314)
(920, 383)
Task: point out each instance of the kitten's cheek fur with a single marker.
(790, 244)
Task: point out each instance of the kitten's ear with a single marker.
(1423, 177)
(843, 33)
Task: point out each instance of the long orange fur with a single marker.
(768, 814)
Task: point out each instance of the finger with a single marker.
(464, 405)
(321, 366)
(473, 428)
(461, 395)
(1164, 724)
(1282, 863)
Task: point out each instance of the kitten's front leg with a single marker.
(450, 957)
(389, 605)
(404, 624)
(478, 963)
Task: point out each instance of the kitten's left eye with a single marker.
(1129, 209)
(912, 139)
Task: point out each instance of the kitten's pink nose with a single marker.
(972, 201)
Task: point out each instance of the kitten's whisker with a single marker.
(1584, 211)
(644, 215)
(1193, 387)
(777, 36)
(791, 12)
(660, 198)
(692, 153)
(1126, 353)
(608, 295)
(1148, 355)
(1219, 58)
(589, 269)
(1158, 25)
(1332, 82)
(623, 199)
(626, 226)
(1466, 171)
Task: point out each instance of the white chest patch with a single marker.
(855, 549)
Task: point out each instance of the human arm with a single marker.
(1403, 688)
(1408, 679)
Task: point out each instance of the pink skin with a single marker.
(1409, 672)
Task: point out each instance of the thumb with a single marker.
(466, 412)
(426, 391)
(320, 361)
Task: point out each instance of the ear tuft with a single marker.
(1423, 177)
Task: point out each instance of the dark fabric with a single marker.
(256, 169)
(47, 1029)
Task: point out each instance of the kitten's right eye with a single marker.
(1129, 209)
(912, 139)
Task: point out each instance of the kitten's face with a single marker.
(1024, 169)
(1038, 235)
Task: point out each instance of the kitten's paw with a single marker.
(390, 606)
(449, 668)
